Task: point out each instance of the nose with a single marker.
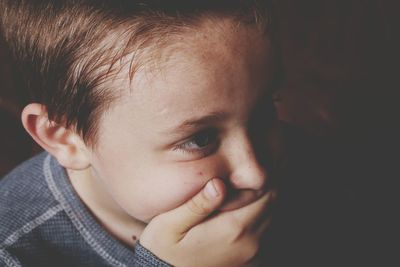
(246, 170)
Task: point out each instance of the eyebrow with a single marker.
(198, 122)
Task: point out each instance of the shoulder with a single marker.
(30, 171)
(25, 199)
(32, 219)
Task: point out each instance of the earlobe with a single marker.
(63, 143)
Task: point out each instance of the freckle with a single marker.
(200, 173)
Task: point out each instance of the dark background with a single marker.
(341, 67)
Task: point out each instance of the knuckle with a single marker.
(198, 207)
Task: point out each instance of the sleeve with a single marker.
(144, 258)
(7, 260)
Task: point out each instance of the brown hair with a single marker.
(67, 49)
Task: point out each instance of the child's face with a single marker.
(185, 120)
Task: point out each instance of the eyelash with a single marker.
(210, 134)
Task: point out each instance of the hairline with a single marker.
(153, 51)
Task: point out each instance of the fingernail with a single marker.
(210, 189)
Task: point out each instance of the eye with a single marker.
(203, 142)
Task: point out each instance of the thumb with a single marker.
(195, 210)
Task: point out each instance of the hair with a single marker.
(67, 49)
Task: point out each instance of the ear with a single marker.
(64, 144)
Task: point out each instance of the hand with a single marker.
(189, 236)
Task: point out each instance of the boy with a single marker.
(154, 116)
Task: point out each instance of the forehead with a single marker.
(206, 70)
(220, 39)
(196, 51)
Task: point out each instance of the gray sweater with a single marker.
(43, 222)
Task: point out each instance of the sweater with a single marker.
(43, 222)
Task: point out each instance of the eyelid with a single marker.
(205, 121)
(191, 135)
(206, 149)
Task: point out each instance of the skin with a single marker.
(151, 157)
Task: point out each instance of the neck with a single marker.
(110, 215)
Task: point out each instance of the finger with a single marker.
(264, 220)
(196, 209)
(263, 227)
(249, 215)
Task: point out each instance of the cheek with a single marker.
(174, 187)
(146, 190)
